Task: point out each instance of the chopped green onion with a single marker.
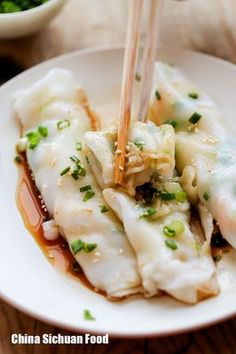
(180, 196)
(206, 196)
(88, 316)
(18, 159)
(148, 212)
(85, 188)
(87, 159)
(171, 244)
(174, 229)
(158, 95)
(8, 6)
(79, 170)
(75, 159)
(217, 258)
(193, 95)
(137, 77)
(65, 170)
(139, 144)
(62, 124)
(78, 146)
(195, 118)
(88, 195)
(167, 196)
(104, 208)
(168, 232)
(77, 246)
(82, 171)
(172, 122)
(33, 139)
(89, 247)
(76, 173)
(43, 131)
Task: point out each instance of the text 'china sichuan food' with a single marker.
(167, 227)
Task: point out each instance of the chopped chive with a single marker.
(172, 122)
(65, 170)
(87, 159)
(78, 146)
(148, 212)
(104, 208)
(79, 170)
(43, 131)
(217, 258)
(174, 229)
(18, 159)
(85, 188)
(82, 172)
(167, 196)
(180, 196)
(88, 195)
(206, 196)
(75, 173)
(137, 77)
(88, 316)
(89, 247)
(195, 118)
(168, 232)
(158, 95)
(193, 95)
(33, 139)
(171, 244)
(62, 124)
(139, 144)
(75, 159)
(77, 246)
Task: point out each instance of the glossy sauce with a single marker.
(34, 213)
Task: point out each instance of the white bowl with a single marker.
(30, 283)
(23, 23)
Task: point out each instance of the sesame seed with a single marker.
(53, 162)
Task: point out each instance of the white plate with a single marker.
(30, 283)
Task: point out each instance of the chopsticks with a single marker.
(149, 58)
(129, 70)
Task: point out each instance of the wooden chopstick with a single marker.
(129, 69)
(149, 58)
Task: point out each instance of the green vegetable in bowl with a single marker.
(8, 6)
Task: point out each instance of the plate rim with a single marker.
(87, 329)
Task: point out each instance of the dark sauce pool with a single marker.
(30, 204)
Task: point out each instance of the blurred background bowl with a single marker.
(23, 23)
